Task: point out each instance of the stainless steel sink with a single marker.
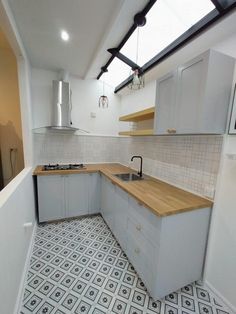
(128, 177)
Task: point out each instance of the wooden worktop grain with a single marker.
(162, 198)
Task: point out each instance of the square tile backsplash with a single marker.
(190, 162)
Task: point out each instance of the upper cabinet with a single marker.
(194, 98)
(165, 103)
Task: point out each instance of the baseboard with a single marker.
(221, 297)
(24, 273)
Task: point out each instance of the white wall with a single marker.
(220, 272)
(221, 262)
(16, 208)
(85, 95)
(17, 199)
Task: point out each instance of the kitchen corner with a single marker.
(123, 114)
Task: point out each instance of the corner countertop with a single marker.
(161, 198)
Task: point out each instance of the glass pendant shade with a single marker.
(137, 80)
(103, 101)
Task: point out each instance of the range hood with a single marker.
(61, 107)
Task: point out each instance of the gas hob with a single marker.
(50, 167)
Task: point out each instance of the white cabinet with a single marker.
(114, 209)
(107, 201)
(51, 197)
(121, 210)
(167, 252)
(94, 193)
(76, 194)
(194, 98)
(64, 196)
(165, 103)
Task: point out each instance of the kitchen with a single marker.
(197, 166)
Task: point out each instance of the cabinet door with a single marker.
(120, 214)
(190, 93)
(94, 191)
(76, 191)
(107, 202)
(165, 103)
(51, 200)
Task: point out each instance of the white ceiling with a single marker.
(93, 25)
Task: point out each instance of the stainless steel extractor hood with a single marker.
(61, 107)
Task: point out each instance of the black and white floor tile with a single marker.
(78, 267)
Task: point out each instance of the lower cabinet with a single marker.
(167, 252)
(107, 202)
(64, 196)
(51, 197)
(76, 195)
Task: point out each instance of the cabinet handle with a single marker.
(137, 250)
(171, 131)
(139, 227)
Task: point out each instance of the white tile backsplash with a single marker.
(190, 162)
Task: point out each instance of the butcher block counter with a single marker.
(161, 198)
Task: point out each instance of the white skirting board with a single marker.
(221, 297)
(24, 273)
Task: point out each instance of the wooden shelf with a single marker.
(137, 132)
(142, 115)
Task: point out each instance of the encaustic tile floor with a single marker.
(78, 267)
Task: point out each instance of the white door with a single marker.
(165, 103)
(191, 86)
(94, 191)
(76, 191)
(51, 197)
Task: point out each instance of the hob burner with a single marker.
(63, 167)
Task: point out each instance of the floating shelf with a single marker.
(142, 115)
(137, 132)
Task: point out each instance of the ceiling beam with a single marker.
(123, 58)
(127, 36)
(218, 6)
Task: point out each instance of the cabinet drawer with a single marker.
(142, 254)
(147, 223)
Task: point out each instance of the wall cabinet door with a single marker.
(51, 197)
(165, 103)
(194, 99)
(76, 193)
(191, 87)
(94, 191)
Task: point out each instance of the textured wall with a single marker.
(190, 162)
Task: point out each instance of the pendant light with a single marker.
(137, 76)
(103, 100)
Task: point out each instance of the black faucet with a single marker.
(140, 172)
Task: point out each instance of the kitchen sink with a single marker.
(128, 177)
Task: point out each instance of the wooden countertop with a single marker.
(162, 198)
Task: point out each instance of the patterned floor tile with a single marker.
(77, 266)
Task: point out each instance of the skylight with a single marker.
(166, 21)
(118, 71)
